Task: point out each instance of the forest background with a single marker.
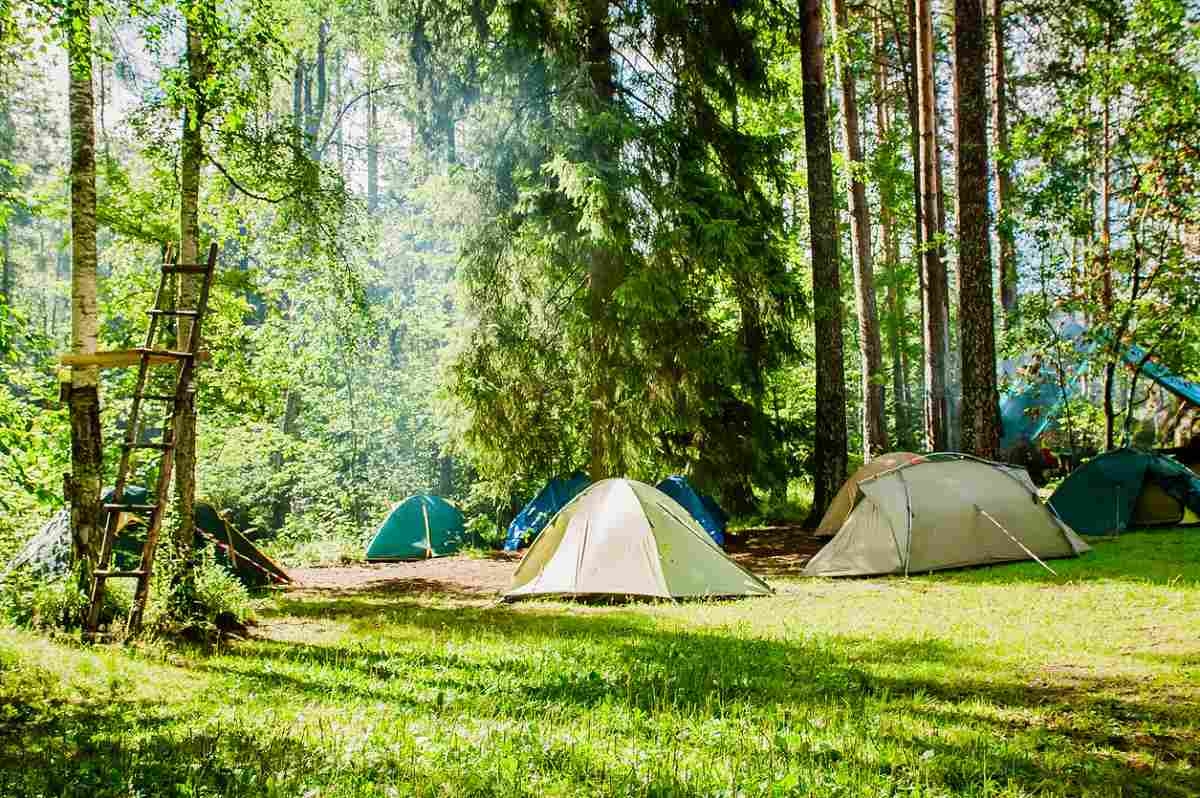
(469, 246)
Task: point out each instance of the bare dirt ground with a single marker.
(770, 552)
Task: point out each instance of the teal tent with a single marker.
(1126, 488)
(418, 527)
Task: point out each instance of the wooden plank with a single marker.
(120, 359)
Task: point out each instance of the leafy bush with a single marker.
(484, 532)
(37, 602)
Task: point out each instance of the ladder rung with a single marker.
(151, 445)
(157, 312)
(120, 574)
(131, 507)
(185, 268)
(158, 397)
(165, 353)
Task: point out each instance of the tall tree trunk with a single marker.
(980, 398)
(1004, 209)
(191, 162)
(933, 268)
(83, 485)
(1106, 282)
(875, 440)
(372, 155)
(891, 252)
(314, 112)
(829, 455)
(604, 267)
(6, 267)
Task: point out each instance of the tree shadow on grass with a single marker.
(881, 714)
(571, 664)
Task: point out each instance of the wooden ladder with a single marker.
(184, 360)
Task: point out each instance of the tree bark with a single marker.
(372, 155)
(829, 455)
(934, 289)
(604, 268)
(980, 397)
(191, 162)
(1106, 282)
(84, 404)
(6, 268)
(1004, 209)
(891, 251)
(874, 431)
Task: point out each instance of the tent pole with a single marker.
(1024, 548)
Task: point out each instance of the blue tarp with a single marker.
(534, 516)
(1027, 413)
(1184, 389)
(706, 511)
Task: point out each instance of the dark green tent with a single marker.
(418, 527)
(1126, 488)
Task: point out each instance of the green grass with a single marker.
(993, 682)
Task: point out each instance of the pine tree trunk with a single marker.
(933, 268)
(604, 268)
(1106, 282)
(190, 164)
(1004, 209)
(891, 251)
(980, 398)
(83, 485)
(829, 456)
(875, 440)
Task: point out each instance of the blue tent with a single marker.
(706, 511)
(535, 515)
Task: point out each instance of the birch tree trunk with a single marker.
(191, 162)
(980, 398)
(875, 440)
(1004, 210)
(933, 267)
(83, 484)
(829, 456)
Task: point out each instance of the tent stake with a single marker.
(1025, 549)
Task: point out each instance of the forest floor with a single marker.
(771, 552)
(411, 680)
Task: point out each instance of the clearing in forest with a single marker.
(410, 680)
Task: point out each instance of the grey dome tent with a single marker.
(944, 512)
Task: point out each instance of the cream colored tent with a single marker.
(843, 502)
(625, 538)
(944, 513)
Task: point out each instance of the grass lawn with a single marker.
(1003, 682)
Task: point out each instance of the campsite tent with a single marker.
(541, 508)
(679, 489)
(843, 502)
(420, 526)
(1124, 488)
(942, 513)
(626, 538)
(48, 553)
(234, 550)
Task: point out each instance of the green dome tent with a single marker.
(1126, 488)
(418, 527)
